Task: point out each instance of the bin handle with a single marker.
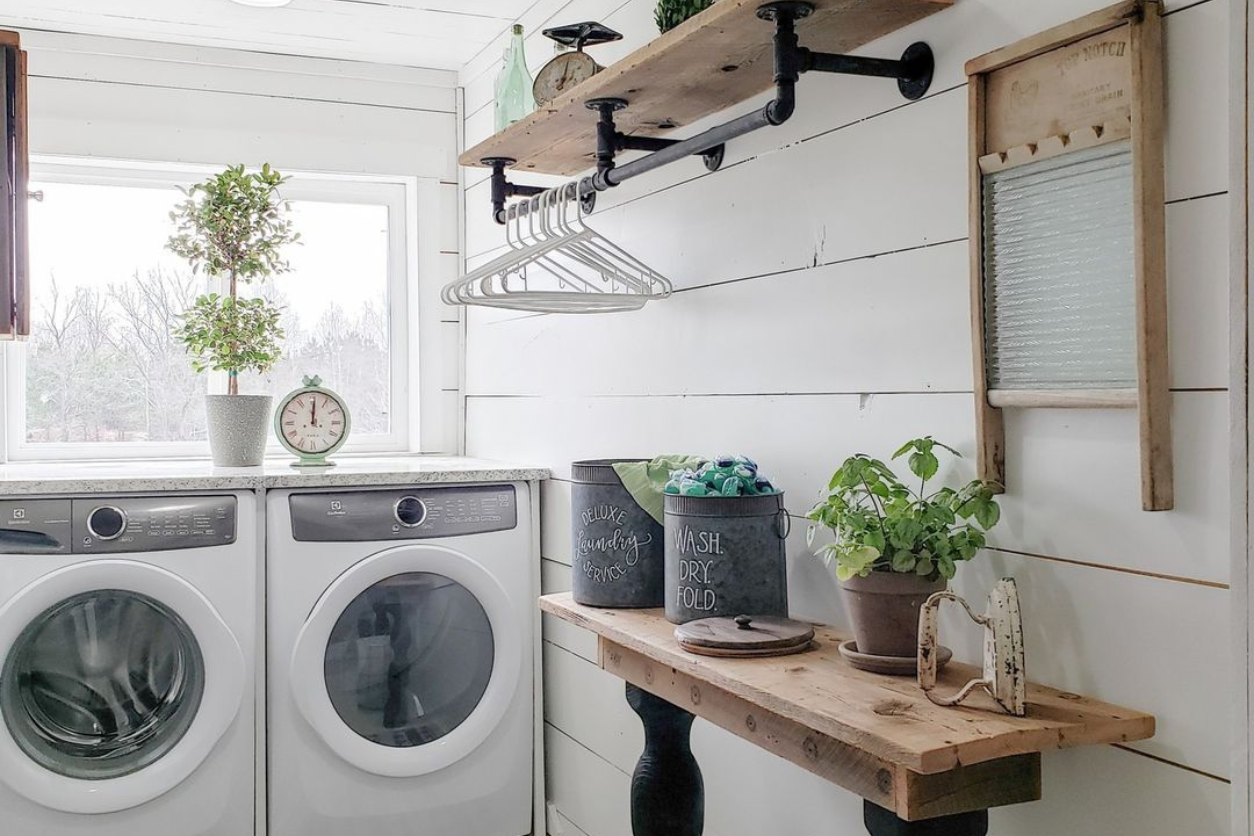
(783, 523)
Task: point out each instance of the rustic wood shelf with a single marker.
(877, 736)
(713, 61)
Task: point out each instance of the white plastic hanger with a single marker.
(558, 264)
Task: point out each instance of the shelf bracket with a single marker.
(502, 189)
(913, 72)
(610, 140)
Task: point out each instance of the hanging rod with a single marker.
(913, 72)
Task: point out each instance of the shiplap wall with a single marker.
(135, 100)
(822, 309)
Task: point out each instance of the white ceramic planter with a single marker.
(238, 428)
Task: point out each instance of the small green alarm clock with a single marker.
(312, 423)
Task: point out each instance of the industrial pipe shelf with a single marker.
(713, 61)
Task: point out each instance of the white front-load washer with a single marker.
(127, 633)
(400, 661)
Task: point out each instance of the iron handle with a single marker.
(929, 646)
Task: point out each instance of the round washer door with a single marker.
(117, 679)
(408, 661)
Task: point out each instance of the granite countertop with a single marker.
(28, 478)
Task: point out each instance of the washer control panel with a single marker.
(115, 524)
(402, 514)
(35, 526)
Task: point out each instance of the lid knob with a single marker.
(743, 621)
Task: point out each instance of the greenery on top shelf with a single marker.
(671, 13)
(882, 525)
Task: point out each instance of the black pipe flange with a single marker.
(919, 64)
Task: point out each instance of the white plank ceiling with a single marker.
(441, 34)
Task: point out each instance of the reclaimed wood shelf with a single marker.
(715, 60)
(878, 736)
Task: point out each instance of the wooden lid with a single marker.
(759, 635)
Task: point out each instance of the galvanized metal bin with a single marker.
(725, 556)
(616, 547)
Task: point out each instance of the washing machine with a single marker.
(400, 680)
(127, 633)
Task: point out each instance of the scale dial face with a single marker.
(562, 74)
(312, 422)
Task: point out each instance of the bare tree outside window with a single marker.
(102, 365)
(337, 328)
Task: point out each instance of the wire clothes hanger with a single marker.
(558, 264)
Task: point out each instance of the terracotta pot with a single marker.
(884, 608)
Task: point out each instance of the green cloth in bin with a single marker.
(645, 480)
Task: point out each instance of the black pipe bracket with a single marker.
(502, 189)
(610, 140)
(913, 72)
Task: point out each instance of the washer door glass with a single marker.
(102, 684)
(409, 659)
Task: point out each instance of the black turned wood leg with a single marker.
(667, 793)
(881, 822)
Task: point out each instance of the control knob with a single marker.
(410, 511)
(106, 522)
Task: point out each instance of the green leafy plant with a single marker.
(883, 525)
(231, 335)
(671, 13)
(233, 226)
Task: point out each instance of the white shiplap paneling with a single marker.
(1072, 473)
(823, 311)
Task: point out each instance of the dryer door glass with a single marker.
(102, 684)
(409, 659)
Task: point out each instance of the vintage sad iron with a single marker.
(1004, 676)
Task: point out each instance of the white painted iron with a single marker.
(1005, 678)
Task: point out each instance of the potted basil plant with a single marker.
(233, 227)
(896, 545)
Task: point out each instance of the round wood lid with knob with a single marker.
(745, 636)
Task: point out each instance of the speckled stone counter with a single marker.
(63, 478)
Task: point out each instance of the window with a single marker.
(102, 377)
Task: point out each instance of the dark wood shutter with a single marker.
(14, 187)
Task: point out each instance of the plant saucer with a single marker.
(891, 665)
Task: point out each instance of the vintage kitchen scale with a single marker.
(568, 69)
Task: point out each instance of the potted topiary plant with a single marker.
(234, 226)
(671, 13)
(894, 545)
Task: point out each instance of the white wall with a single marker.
(822, 309)
(133, 100)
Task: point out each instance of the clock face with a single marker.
(312, 423)
(561, 74)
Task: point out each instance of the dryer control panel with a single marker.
(113, 525)
(402, 514)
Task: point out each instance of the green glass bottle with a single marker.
(514, 99)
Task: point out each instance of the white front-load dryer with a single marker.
(127, 633)
(400, 661)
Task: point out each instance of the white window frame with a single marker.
(398, 193)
